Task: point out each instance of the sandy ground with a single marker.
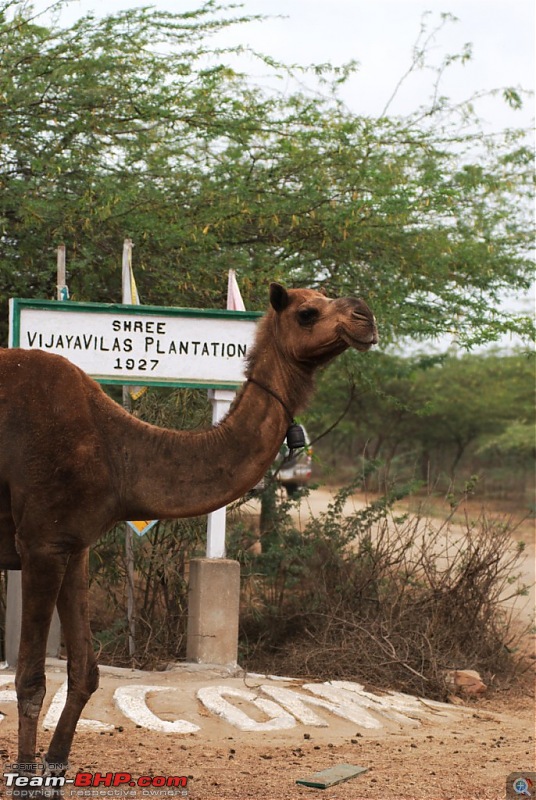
(469, 760)
(447, 754)
(457, 752)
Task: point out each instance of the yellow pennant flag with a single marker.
(130, 297)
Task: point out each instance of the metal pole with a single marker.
(221, 400)
(127, 405)
(62, 292)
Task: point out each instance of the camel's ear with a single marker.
(278, 297)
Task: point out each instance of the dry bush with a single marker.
(389, 600)
(161, 560)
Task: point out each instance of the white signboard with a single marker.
(146, 345)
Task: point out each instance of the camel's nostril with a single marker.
(361, 310)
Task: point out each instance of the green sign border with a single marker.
(17, 305)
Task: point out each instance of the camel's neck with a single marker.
(181, 474)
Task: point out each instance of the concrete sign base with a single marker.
(213, 605)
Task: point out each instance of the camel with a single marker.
(73, 463)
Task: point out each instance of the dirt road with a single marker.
(318, 501)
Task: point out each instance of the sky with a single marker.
(380, 34)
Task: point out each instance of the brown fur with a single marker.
(73, 463)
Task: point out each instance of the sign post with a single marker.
(221, 400)
(14, 585)
(129, 295)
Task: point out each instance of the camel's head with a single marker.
(314, 329)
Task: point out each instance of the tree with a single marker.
(423, 416)
(135, 125)
(470, 399)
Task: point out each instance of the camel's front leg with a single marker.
(83, 674)
(42, 575)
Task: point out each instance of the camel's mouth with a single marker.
(362, 343)
(357, 344)
(358, 328)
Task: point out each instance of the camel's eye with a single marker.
(306, 316)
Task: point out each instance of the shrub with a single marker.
(391, 600)
(161, 561)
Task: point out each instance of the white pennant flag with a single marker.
(234, 298)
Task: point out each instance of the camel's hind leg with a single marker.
(83, 673)
(9, 558)
(42, 574)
